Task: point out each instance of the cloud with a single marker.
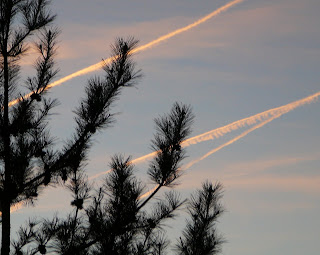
(241, 169)
(259, 175)
(274, 182)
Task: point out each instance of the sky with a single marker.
(256, 56)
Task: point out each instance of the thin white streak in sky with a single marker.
(146, 46)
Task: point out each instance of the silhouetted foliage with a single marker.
(27, 159)
(200, 236)
(114, 219)
(117, 217)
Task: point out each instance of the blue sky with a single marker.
(256, 56)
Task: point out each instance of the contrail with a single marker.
(148, 193)
(268, 116)
(69, 77)
(134, 161)
(219, 132)
(186, 28)
(190, 164)
(14, 207)
(146, 46)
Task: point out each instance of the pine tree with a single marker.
(28, 161)
(116, 218)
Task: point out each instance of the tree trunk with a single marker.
(5, 248)
(6, 200)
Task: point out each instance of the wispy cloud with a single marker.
(274, 182)
(241, 169)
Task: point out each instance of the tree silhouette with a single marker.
(116, 218)
(28, 161)
(200, 236)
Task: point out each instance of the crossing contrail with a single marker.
(263, 117)
(219, 132)
(146, 46)
(190, 164)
